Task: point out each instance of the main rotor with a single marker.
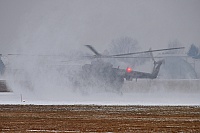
(127, 55)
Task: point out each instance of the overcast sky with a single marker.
(56, 26)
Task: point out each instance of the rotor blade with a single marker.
(148, 51)
(118, 57)
(33, 55)
(92, 49)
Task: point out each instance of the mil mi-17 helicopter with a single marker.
(104, 74)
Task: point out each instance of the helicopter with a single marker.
(103, 74)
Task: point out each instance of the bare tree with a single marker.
(193, 51)
(123, 45)
(174, 44)
(126, 45)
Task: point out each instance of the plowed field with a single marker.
(94, 118)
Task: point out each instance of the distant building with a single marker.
(3, 86)
(2, 67)
(177, 68)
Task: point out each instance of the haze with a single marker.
(50, 26)
(60, 27)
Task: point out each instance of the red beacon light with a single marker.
(128, 69)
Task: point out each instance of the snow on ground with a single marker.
(100, 96)
(106, 99)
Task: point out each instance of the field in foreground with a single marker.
(95, 118)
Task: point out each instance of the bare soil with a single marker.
(94, 118)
